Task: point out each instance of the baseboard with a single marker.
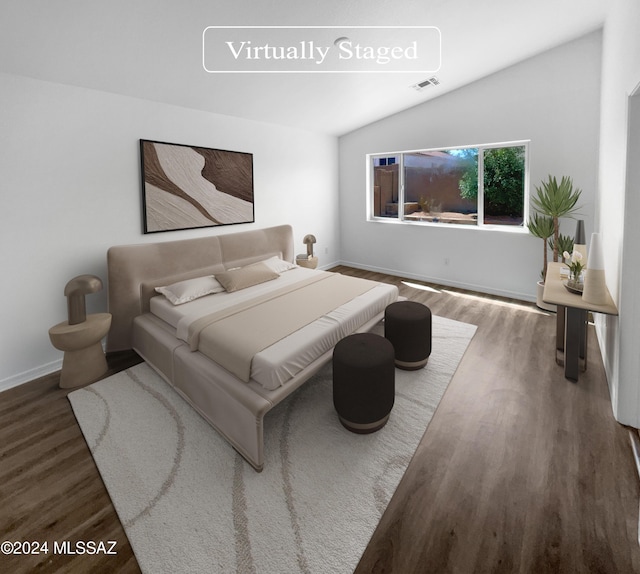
(35, 373)
(30, 375)
(599, 322)
(329, 265)
(443, 282)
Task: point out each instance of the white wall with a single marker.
(619, 191)
(551, 99)
(70, 188)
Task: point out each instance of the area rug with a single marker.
(189, 503)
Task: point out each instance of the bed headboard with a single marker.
(132, 266)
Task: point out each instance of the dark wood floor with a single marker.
(519, 470)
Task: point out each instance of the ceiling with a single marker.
(152, 49)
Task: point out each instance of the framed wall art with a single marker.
(186, 187)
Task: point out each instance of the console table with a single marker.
(571, 320)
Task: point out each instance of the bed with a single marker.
(259, 328)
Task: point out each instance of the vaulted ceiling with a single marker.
(152, 49)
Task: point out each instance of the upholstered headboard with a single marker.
(132, 269)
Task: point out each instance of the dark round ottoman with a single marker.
(363, 381)
(407, 324)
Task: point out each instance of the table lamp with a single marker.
(309, 240)
(75, 291)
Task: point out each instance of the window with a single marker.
(484, 185)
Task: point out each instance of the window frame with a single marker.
(480, 224)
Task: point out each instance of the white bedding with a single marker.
(275, 365)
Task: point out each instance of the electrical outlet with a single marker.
(446, 261)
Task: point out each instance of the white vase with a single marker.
(595, 286)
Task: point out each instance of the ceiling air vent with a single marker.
(429, 82)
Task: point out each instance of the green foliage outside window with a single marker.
(503, 181)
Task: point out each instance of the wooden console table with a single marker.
(571, 320)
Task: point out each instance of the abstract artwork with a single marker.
(185, 187)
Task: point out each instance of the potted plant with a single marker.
(576, 266)
(556, 200)
(552, 201)
(542, 226)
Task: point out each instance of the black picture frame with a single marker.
(189, 187)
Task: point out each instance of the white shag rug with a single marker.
(190, 504)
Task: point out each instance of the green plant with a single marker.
(565, 243)
(556, 200)
(503, 177)
(542, 226)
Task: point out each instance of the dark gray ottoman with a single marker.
(363, 381)
(407, 324)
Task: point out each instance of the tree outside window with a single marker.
(479, 186)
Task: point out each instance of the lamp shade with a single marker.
(74, 291)
(595, 287)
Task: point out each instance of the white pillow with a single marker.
(190, 289)
(278, 265)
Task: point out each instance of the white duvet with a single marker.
(275, 365)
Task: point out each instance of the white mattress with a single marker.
(275, 365)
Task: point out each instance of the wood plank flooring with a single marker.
(50, 488)
(519, 470)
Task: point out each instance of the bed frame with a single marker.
(234, 408)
